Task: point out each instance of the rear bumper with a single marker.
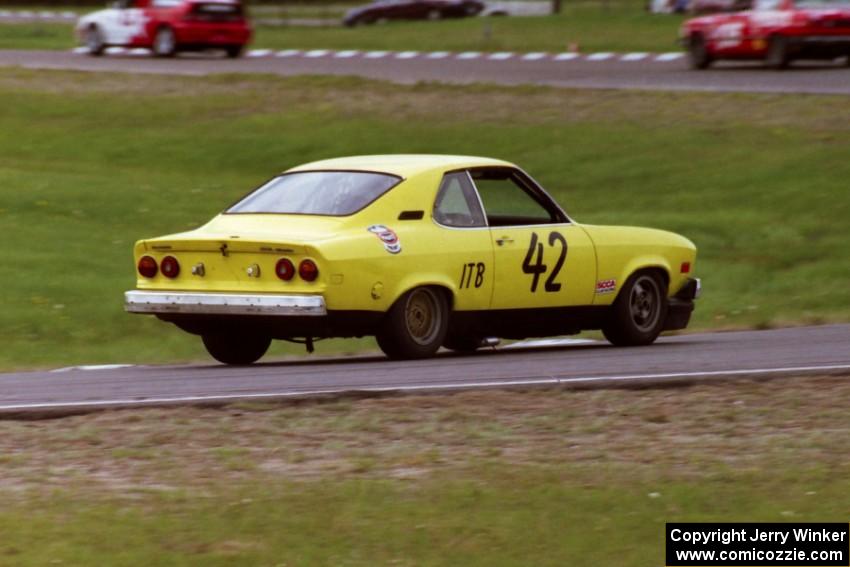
(170, 302)
(681, 305)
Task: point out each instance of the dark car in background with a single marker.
(412, 10)
(701, 7)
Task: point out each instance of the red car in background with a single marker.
(167, 26)
(775, 31)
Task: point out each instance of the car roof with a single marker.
(403, 165)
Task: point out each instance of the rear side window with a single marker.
(331, 193)
(457, 204)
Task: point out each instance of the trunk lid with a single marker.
(240, 253)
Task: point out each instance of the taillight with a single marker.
(284, 269)
(147, 266)
(686, 268)
(308, 270)
(170, 267)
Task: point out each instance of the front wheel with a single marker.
(164, 43)
(698, 55)
(416, 324)
(777, 53)
(639, 311)
(236, 349)
(94, 41)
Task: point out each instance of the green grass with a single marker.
(91, 163)
(622, 27)
(513, 517)
(616, 26)
(36, 36)
(542, 478)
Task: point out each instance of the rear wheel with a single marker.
(94, 41)
(639, 311)
(416, 324)
(233, 51)
(698, 55)
(236, 349)
(164, 43)
(777, 52)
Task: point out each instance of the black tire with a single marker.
(639, 312)
(777, 53)
(94, 41)
(234, 51)
(236, 349)
(416, 324)
(164, 42)
(698, 55)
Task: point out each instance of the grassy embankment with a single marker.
(541, 478)
(622, 26)
(91, 163)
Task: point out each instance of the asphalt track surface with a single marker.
(599, 71)
(672, 360)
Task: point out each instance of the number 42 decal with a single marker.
(538, 268)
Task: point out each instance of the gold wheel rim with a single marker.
(422, 316)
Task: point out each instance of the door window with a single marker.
(511, 199)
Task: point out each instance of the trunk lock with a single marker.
(198, 269)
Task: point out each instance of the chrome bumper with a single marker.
(223, 303)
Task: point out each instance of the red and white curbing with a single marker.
(39, 15)
(536, 56)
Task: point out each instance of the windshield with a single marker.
(334, 193)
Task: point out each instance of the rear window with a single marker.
(332, 193)
(217, 12)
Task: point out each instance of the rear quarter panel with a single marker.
(374, 277)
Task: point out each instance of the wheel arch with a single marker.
(657, 265)
(440, 283)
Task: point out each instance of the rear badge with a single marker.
(606, 286)
(387, 236)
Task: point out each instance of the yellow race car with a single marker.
(421, 251)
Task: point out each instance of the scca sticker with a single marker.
(606, 286)
(387, 236)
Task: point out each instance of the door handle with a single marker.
(504, 240)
